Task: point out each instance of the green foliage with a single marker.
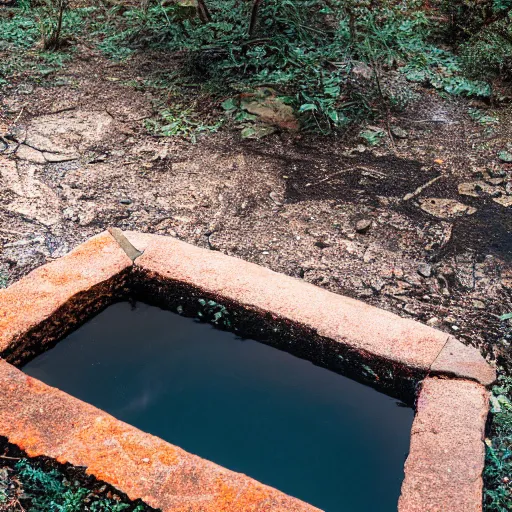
(443, 70)
(482, 118)
(20, 35)
(489, 51)
(214, 313)
(46, 490)
(178, 120)
(498, 469)
(306, 50)
(372, 137)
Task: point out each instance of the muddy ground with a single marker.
(328, 210)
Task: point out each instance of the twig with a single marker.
(9, 458)
(329, 177)
(18, 116)
(370, 172)
(11, 232)
(419, 190)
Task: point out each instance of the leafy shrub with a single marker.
(47, 490)
(498, 469)
(489, 51)
(306, 50)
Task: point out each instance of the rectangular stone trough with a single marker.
(446, 380)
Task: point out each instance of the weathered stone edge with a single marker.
(52, 300)
(48, 422)
(446, 356)
(452, 360)
(447, 453)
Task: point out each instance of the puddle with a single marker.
(251, 408)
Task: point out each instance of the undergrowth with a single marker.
(22, 53)
(29, 486)
(498, 468)
(308, 52)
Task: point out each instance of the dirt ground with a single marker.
(328, 210)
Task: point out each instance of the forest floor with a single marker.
(330, 210)
(327, 209)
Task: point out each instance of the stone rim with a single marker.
(102, 270)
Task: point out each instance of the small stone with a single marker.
(505, 201)
(363, 225)
(265, 252)
(425, 270)
(145, 460)
(125, 201)
(398, 132)
(495, 181)
(433, 322)
(363, 70)
(505, 156)
(275, 198)
(455, 328)
(478, 304)
(445, 208)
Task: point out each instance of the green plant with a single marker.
(38, 489)
(498, 469)
(180, 121)
(481, 118)
(215, 313)
(309, 52)
(373, 137)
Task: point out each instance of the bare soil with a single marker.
(328, 210)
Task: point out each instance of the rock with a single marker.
(434, 321)
(445, 208)
(125, 201)
(425, 270)
(398, 132)
(30, 155)
(363, 70)
(363, 225)
(505, 156)
(478, 304)
(474, 187)
(495, 181)
(25, 89)
(275, 198)
(505, 201)
(57, 158)
(265, 104)
(257, 131)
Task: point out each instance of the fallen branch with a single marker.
(419, 190)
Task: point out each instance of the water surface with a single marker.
(309, 432)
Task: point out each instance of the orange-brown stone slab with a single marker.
(461, 361)
(348, 321)
(87, 275)
(46, 421)
(444, 468)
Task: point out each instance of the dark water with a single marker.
(309, 432)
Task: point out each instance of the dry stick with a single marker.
(370, 171)
(203, 12)
(254, 17)
(9, 458)
(419, 190)
(383, 99)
